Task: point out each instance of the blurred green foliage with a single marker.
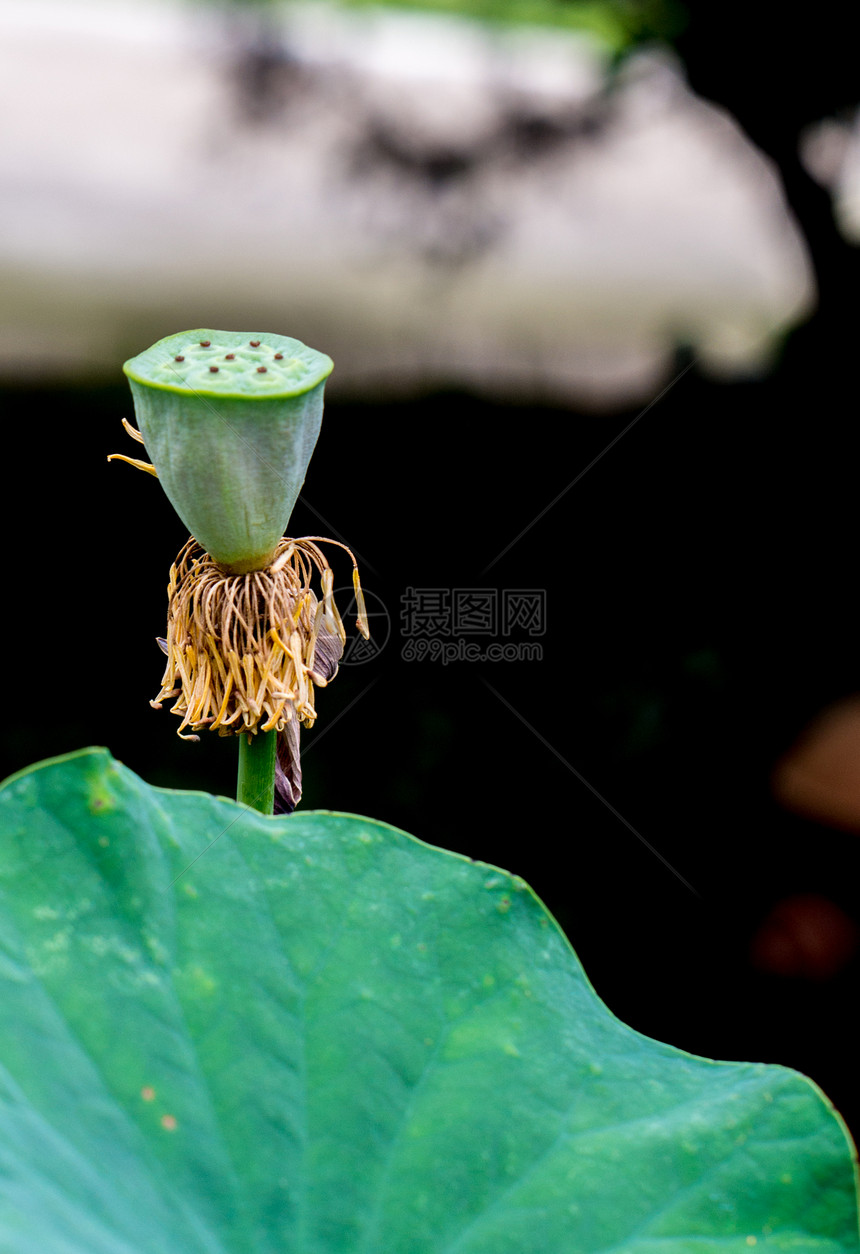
(619, 24)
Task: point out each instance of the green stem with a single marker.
(256, 785)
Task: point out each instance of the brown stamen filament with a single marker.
(241, 648)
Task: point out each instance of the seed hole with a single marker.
(261, 370)
(279, 356)
(213, 369)
(230, 357)
(179, 359)
(255, 343)
(205, 343)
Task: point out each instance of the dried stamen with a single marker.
(244, 652)
(133, 461)
(132, 431)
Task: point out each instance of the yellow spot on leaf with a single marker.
(203, 981)
(101, 801)
(148, 1093)
(168, 1122)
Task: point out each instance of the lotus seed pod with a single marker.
(230, 420)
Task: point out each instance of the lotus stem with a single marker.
(256, 783)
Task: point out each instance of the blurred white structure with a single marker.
(831, 153)
(429, 202)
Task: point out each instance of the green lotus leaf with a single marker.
(226, 1033)
(230, 420)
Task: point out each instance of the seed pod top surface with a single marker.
(230, 420)
(237, 364)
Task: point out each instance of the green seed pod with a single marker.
(230, 420)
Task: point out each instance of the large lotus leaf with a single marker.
(224, 1032)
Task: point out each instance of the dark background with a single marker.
(701, 609)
